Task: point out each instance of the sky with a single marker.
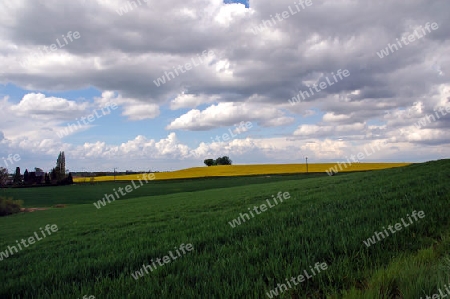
(163, 85)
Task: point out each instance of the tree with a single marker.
(3, 175)
(47, 178)
(26, 176)
(209, 162)
(53, 174)
(37, 169)
(225, 160)
(17, 176)
(70, 179)
(60, 168)
(32, 178)
(63, 163)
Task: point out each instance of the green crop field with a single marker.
(325, 220)
(89, 193)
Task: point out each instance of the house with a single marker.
(36, 177)
(9, 180)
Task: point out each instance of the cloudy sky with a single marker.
(156, 84)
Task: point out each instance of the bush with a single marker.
(9, 206)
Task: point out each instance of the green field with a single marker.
(95, 251)
(89, 193)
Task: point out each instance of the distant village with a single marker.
(57, 176)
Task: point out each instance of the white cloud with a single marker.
(184, 100)
(133, 109)
(226, 114)
(37, 105)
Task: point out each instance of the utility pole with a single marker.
(306, 164)
(115, 174)
(83, 174)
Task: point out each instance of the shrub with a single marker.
(9, 206)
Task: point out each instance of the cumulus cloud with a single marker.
(226, 114)
(324, 131)
(184, 100)
(133, 109)
(37, 105)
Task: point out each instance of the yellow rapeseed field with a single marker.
(236, 170)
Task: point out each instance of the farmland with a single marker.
(325, 220)
(245, 170)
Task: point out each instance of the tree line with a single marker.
(225, 160)
(57, 176)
